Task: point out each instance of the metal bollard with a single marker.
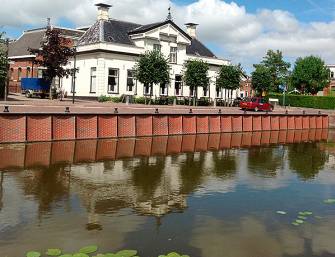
(116, 110)
(67, 109)
(6, 109)
(156, 111)
(191, 111)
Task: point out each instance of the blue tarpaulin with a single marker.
(35, 84)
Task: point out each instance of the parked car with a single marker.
(237, 101)
(256, 104)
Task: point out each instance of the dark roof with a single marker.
(115, 31)
(199, 49)
(149, 27)
(33, 38)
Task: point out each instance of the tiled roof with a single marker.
(115, 31)
(33, 38)
(199, 49)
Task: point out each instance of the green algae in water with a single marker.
(53, 252)
(281, 212)
(89, 249)
(329, 201)
(33, 254)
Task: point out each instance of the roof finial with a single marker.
(169, 17)
(48, 23)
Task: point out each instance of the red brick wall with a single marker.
(86, 127)
(13, 128)
(63, 127)
(39, 128)
(18, 128)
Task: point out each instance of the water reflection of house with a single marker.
(104, 190)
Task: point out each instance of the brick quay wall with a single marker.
(37, 127)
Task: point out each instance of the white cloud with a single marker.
(240, 36)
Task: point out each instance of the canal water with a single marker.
(231, 195)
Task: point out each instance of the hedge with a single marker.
(308, 101)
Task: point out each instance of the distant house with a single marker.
(330, 89)
(108, 51)
(246, 87)
(22, 61)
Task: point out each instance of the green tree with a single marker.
(152, 68)
(3, 64)
(196, 75)
(310, 74)
(229, 77)
(278, 68)
(54, 55)
(261, 79)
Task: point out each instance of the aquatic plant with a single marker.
(89, 250)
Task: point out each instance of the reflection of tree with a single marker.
(146, 176)
(306, 159)
(191, 172)
(224, 164)
(264, 161)
(47, 186)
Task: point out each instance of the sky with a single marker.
(241, 30)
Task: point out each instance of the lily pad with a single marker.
(54, 252)
(300, 221)
(66, 255)
(33, 254)
(89, 249)
(295, 224)
(302, 217)
(80, 255)
(173, 254)
(329, 201)
(281, 212)
(126, 253)
(111, 255)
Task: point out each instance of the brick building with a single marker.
(330, 90)
(246, 87)
(22, 61)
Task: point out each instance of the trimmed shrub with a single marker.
(140, 100)
(308, 101)
(104, 98)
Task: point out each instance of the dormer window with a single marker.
(157, 47)
(173, 54)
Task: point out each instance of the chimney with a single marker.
(103, 11)
(192, 29)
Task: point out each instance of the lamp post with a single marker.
(74, 74)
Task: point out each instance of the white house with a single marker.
(109, 49)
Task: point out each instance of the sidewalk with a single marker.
(20, 104)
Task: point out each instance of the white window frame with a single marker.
(93, 76)
(180, 83)
(166, 87)
(134, 89)
(117, 80)
(173, 54)
(157, 47)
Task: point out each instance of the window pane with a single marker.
(93, 84)
(113, 80)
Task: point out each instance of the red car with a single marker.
(256, 104)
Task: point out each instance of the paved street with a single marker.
(20, 104)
